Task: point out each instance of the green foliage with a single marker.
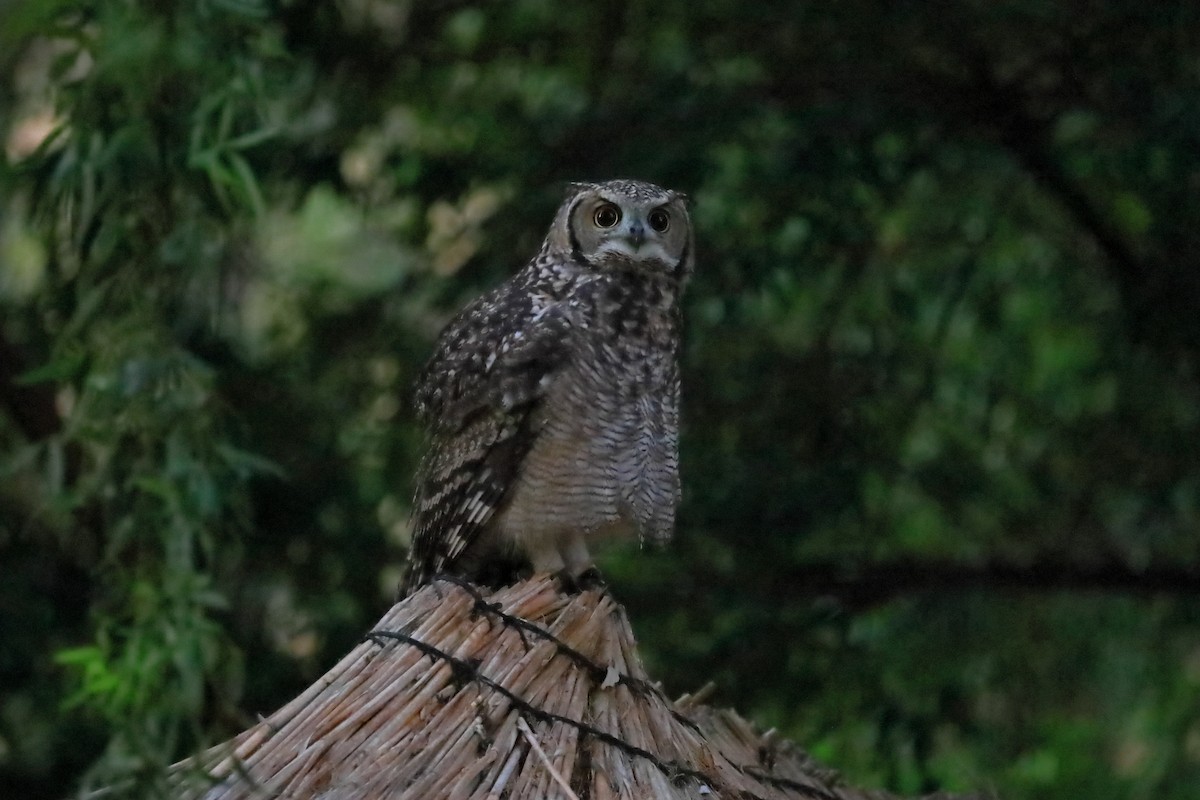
(941, 384)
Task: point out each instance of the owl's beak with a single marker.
(637, 234)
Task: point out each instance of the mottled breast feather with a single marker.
(605, 458)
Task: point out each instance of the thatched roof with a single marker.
(523, 692)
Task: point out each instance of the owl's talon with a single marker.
(566, 582)
(588, 580)
(591, 579)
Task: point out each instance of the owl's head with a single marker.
(627, 225)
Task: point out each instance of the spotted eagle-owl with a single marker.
(552, 401)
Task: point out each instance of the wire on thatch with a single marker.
(522, 693)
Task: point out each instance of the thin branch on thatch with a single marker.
(521, 693)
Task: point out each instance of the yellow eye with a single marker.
(659, 220)
(606, 216)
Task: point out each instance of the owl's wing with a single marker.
(477, 395)
(459, 489)
(496, 354)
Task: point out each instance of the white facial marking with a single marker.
(624, 249)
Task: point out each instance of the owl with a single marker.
(552, 401)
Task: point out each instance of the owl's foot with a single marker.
(566, 582)
(591, 579)
(588, 580)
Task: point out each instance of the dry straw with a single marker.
(518, 694)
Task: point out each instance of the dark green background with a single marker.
(942, 369)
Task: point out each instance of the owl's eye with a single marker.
(606, 216)
(659, 220)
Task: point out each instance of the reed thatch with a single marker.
(524, 692)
